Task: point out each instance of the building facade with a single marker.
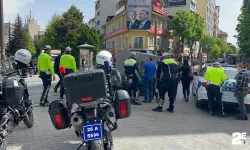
(206, 9)
(103, 8)
(31, 26)
(216, 20)
(8, 29)
(173, 7)
(119, 37)
(222, 35)
(91, 23)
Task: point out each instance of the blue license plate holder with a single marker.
(92, 129)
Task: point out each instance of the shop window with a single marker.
(151, 41)
(138, 42)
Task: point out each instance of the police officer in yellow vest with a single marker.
(46, 70)
(131, 71)
(168, 77)
(69, 63)
(215, 76)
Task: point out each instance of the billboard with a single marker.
(177, 2)
(139, 14)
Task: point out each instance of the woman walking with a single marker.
(186, 79)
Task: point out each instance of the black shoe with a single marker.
(170, 110)
(157, 109)
(55, 90)
(212, 113)
(42, 104)
(47, 103)
(187, 99)
(246, 117)
(240, 118)
(144, 101)
(137, 103)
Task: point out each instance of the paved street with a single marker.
(189, 128)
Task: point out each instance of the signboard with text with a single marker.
(177, 2)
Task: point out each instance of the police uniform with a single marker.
(68, 62)
(215, 76)
(131, 71)
(46, 71)
(169, 72)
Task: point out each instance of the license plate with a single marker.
(228, 89)
(92, 129)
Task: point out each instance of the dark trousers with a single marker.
(46, 86)
(62, 89)
(185, 87)
(59, 82)
(148, 90)
(133, 89)
(214, 99)
(240, 97)
(168, 86)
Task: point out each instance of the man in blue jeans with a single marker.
(149, 69)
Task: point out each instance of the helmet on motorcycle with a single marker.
(104, 56)
(23, 56)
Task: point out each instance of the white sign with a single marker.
(239, 138)
(120, 10)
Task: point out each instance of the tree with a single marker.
(197, 31)
(232, 49)
(243, 29)
(69, 30)
(182, 23)
(207, 42)
(18, 38)
(29, 44)
(215, 51)
(223, 46)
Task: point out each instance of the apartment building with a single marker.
(174, 6)
(103, 8)
(7, 31)
(91, 22)
(216, 20)
(206, 9)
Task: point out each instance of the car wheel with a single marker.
(193, 90)
(198, 103)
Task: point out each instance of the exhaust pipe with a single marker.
(77, 121)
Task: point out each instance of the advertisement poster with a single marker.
(139, 14)
(84, 58)
(176, 2)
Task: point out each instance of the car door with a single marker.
(199, 78)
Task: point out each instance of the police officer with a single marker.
(69, 63)
(131, 71)
(215, 76)
(46, 70)
(168, 79)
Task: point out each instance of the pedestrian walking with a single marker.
(68, 62)
(242, 83)
(215, 76)
(56, 67)
(46, 71)
(186, 78)
(131, 71)
(149, 70)
(168, 77)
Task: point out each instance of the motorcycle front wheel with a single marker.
(29, 119)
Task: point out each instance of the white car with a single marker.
(228, 88)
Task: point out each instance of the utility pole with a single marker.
(155, 47)
(1, 30)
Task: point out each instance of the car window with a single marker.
(231, 73)
(202, 72)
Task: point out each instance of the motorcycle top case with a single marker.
(12, 92)
(122, 104)
(59, 114)
(85, 86)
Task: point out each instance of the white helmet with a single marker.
(23, 56)
(103, 56)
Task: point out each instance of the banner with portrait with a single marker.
(139, 14)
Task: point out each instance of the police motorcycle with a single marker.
(99, 100)
(15, 105)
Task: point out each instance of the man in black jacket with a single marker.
(56, 67)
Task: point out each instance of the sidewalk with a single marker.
(36, 79)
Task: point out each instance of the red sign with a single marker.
(159, 30)
(160, 11)
(117, 32)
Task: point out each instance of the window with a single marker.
(98, 31)
(158, 41)
(126, 42)
(138, 42)
(98, 13)
(202, 72)
(97, 23)
(151, 41)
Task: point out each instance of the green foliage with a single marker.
(215, 51)
(206, 43)
(243, 29)
(223, 46)
(232, 49)
(29, 44)
(69, 30)
(18, 40)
